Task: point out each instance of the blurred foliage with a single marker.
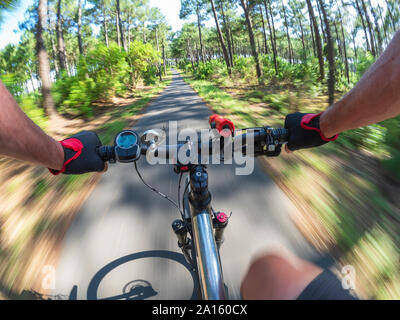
(371, 138)
(10, 81)
(105, 72)
(29, 104)
(392, 145)
(17, 65)
(205, 71)
(307, 71)
(7, 6)
(74, 95)
(364, 62)
(142, 60)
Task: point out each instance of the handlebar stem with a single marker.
(199, 197)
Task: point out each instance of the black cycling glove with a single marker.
(80, 154)
(305, 132)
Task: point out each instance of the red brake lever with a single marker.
(220, 123)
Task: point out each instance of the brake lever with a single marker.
(271, 147)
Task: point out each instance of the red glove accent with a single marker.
(310, 117)
(71, 144)
(221, 123)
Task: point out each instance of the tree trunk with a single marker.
(129, 32)
(298, 15)
(158, 49)
(363, 24)
(125, 38)
(331, 57)
(317, 41)
(273, 25)
(119, 27)
(383, 23)
(389, 12)
(370, 30)
(338, 41)
(346, 61)
(354, 47)
(232, 40)
(80, 44)
(189, 53)
(53, 45)
(287, 34)
(60, 39)
(312, 35)
(221, 39)
(228, 38)
(164, 59)
(264, 31)
(43, 61)
(197, 55)
(32, 81)
(249, 22)
(118, 32)
(271, 35)
(377, 28)
(105, 25)
(54, 55)
(200, 36)
(321, 22)
(302, 38)
(340, 49)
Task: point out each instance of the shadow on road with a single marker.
(133, 290)
(136, 289)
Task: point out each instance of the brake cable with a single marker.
(156, 191)
(179, 190)
(183, 198)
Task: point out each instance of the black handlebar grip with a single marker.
(282, 135)
(106, 153)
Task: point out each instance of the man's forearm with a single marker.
(375, 98)
(20, 138)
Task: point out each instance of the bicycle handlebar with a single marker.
(267, 141)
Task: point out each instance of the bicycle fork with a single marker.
(206, 230)
(182, 228)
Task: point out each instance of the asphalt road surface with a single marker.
(121, 245)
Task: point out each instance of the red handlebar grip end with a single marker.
(220, 123)
(213, 118)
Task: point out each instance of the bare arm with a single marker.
(20, 138)
(375, 98)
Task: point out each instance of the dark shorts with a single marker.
(326, 287)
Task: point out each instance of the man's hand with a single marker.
(305, 132)
(80, 154)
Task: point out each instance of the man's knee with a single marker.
(272, 277)
(261, 282)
